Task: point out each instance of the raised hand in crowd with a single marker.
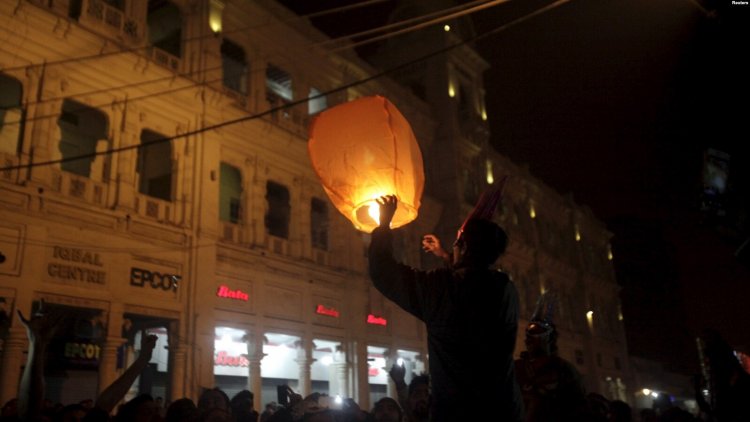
(113, 394)
(40, 328)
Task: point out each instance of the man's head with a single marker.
(541, 338)
(479, 244)
(386, 410)
(419, 397)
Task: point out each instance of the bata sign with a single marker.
(224, 359)
(224, 291)
(376, 320)
(323, 310)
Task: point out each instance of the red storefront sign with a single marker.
(224, 291)
(224, 359)
(376, 320)
(331, 312)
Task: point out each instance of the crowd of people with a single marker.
(470, 379)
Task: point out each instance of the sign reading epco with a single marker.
(140, 277)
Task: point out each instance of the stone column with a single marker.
(254, 356)
(339, 375)
(362, 393)
(390, 360)
(304, 360)
(13, 358)
(113, 340)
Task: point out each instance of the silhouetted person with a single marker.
(551, 386)
(460, 306)
(729, 384)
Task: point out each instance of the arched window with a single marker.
(155, 166)
(230, 194)
(11, 114)
(234, 67)
(165, 26)
(81, 128)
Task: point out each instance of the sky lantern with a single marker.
(362, 150)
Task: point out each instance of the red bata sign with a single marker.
(322, 310)
(224, 359)
(376, 320)
(226, 292)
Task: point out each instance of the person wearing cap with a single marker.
(461, 306)
(551, 386)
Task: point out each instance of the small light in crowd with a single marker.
(609, 254)
(484, 115)
(490, 175)
(338, 399)
(590, 315)
(578, 236)
(447, 28)
(451, 90)
(654, 394)
(532, 212)
(400, 362)
(542, 289)
(646, 392)
(619, 316)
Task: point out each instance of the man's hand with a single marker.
(397, 373)
(148, 343)
(431, 244)
(42, 324)
(388, 205)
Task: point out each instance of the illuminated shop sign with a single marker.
(323, 310)
(223, 358)
(76, 265)
(376, 320)
(81, 351)
(140, 277)
(224, 291)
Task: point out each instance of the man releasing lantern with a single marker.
(365, 149)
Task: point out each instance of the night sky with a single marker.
(615, 101)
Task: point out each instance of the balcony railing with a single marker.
(165, 59)
(79, 187)
(160, 210)
(111, 20)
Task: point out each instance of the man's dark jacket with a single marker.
(472, 319)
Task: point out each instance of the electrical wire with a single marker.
(208, 36)
(198, 83)
(294, 103)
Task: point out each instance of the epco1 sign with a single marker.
(140, 277)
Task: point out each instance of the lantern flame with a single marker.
(374, 212)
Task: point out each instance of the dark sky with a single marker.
(615, 101)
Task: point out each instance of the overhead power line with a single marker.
(211, 35)
(442, 15)
(291, 104)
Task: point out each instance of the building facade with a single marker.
(155, 179)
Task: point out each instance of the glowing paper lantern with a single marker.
(362, 150)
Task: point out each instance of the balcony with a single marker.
(111, 21)
(78, 187)
(233, 233)
(165, 59)
(157, 209)
(294, 118)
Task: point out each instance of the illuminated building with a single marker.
(216, 236)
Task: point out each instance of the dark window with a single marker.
(81, 129)
(279, 82)
(579, 357)
(11, 114)
(319, 223)
(165, 26)
(234, 66)
(230, 193)
(155, 166)
(277, 218)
